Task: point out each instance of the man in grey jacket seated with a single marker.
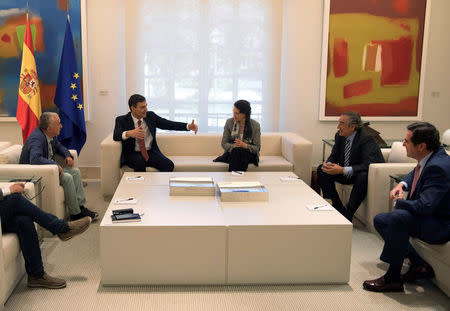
(18, 215)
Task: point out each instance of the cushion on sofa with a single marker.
(11, 248)
(398, 154)
(10, 155)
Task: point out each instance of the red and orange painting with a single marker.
(374, 59)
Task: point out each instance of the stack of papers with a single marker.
(191, 186)
(242, 191)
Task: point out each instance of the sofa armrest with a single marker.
(50, 180)
(298, 151)
(110, 165)
(378, 187)
(60, 159)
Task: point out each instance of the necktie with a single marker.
(416, 177)
(142, 145)
(347, 153)
(50, 151)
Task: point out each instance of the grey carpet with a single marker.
(77, 262)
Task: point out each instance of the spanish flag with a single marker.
(29, 104)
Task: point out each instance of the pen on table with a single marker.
(241, 190)
(122, 200)
(317, 207)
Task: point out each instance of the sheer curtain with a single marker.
(192, 59)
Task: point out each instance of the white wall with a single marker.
(300, 77)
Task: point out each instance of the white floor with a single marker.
(78, 262)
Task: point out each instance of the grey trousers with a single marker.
(74, 196)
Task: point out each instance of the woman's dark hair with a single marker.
(244, 107)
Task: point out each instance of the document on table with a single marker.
(134, 178)
(290, 178)
(315, 207)
(125, 201)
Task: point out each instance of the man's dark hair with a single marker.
(134, 99)
(424, 132)
(354, 119)
(244, 107)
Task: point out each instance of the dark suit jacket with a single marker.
(364, 151)
(153, 121)
(431, 196)
(35, 149)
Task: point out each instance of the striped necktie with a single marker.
(347, 153)
(142, 145)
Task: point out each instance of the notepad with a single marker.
(134, 178)
(290, 178)
(319, 207)
(125, 201)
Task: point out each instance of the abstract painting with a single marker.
(48, 19)
(372, 60)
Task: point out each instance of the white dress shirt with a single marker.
(148, 136)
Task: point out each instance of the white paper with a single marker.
(290, 178)
(125, 201)
(315, 207)
(134, 178)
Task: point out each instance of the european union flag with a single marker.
(68, 97)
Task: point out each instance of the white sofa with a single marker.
(195, 153)
(378, 201)
(12, 266)
(52, 198)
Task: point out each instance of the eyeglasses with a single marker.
(27, 196)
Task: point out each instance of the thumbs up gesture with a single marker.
(193, 127)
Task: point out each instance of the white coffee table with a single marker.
(201, 240)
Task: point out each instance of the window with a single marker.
(192, 59)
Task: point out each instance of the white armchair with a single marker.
(52, 198)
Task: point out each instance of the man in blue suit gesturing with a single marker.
(137, 132)
(424, 214)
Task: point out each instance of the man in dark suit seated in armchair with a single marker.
(137, 132)
(41, 147)
(353, 151)
(424, 214)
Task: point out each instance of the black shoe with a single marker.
(88, 212)
(77, 216)
(424, 271)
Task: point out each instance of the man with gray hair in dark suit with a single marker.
(353, 151)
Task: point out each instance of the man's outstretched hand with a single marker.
(193, 127)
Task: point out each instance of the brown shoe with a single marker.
(46, 281)
(380, 285)
(75, 227)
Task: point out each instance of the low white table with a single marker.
(201, 240)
